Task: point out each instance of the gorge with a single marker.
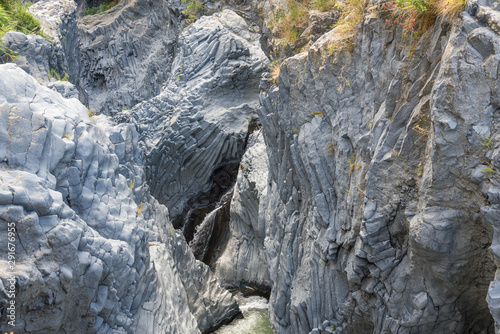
(159, 163)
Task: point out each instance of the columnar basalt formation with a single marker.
(375, 221)
(200, 122)
(126, 53)
(361, 185)
(85, 224)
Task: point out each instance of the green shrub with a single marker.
(193, 9)
(55, 75)
(107, 5)
(14, 15)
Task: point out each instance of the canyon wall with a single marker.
(364, 179)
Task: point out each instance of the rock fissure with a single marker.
(367, 202)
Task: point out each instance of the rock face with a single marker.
(243, 261)
(367, 203)
(58, 18)
(383, 181)
(195, 131)
(85, 223)
(126, 53)
(43, 59)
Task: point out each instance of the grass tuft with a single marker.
(105, 6)
(55, 75)
(449, 9)
(289, 23)
(14, 16)
(346, 26)
(193, 10)
(140, 208)
(275, 71)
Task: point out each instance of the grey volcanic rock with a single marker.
(199, 124)
(369, 202)
(34, 53)
(39, 57)
(127, 53)
(58, 18)
(244, 257)
(85, 223)
(317, 24)
(373, 211)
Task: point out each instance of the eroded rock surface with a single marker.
(243, 260)
(200, 122)
(368, 204)
(85, 222)
(374, 213)
(127, 52)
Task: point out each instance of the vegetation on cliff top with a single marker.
(413, 16)
(106, 5)
(289, 23)
(14, 16)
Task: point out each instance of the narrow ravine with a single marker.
(287, 167)
(255, 318)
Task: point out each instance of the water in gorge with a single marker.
(255, 318)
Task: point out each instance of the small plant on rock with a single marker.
(331, 150)
(193, 10)
(91, 113)
(55, 75)
(346, 26)
(140, 207)
(352, 162)
(317, 113)
(6, 54)
(275, 71)
(420, 170)
(107, 5)
(488, 142)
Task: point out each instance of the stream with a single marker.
(255, 318)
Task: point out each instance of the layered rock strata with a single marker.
(382, 180)
(85, 223)
(194, 133)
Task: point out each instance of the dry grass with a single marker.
(416, 16)
(448, 9)
(91, 113)
(140, 207)
(323, 5)
(275, 71)
(289, 23)
(346, 27)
